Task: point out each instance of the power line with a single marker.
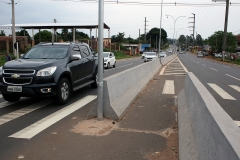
(155, 3)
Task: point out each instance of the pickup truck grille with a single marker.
(17, 81)
(19, 71)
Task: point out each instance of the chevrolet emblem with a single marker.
(15, 76)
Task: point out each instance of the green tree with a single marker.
(21, 33)
(45, 35)
(154, 32)
(199, 40)
(2, 33)
(64, 34)
(216, 42)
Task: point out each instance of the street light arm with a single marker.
(170, 16)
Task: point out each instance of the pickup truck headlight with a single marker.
(46, 71)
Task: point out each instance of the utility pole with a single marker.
(13, 27)
(145, 29)
(193, 27)
(225, 30)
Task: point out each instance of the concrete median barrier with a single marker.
(206, 131)
(122, 88)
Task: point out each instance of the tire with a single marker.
(63, 91)
(114, 64)
(108, 65)
(11, 98)
(95, 78)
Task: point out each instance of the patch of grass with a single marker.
(237, 61)
(121, 55)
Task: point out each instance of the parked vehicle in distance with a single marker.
(205, 53)
(200, 54)
(170, 51)
(150, 56)
(218, 55)
(162, 54)
(49, 69)
(181, 52)
(109, 59)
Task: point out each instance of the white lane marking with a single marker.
(167, 74)
(168, 87)
(46, 122)
(183, 66)
(226, 66)
(118, 67)
(238, 123)
(235, 87)
(213, 69)
(6, 103)
(162, 71)
(221, 92)
(203, 64)
(18, 113)
(232, 77)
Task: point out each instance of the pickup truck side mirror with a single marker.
(76, 57)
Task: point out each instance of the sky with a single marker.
(128, 16)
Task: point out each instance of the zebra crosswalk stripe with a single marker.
(235, 87)
(168, 87)
(46, 122)
(221, 92)
(13, 115)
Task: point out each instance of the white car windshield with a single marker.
(152, 54)
(105, 54)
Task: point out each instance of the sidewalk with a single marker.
(147, 131)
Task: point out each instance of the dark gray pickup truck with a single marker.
(49, 69)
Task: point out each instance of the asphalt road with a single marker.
(221, 80)
(18, 120)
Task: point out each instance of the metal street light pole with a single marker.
(100, 60)
(160, 33)
(177, 33)
(174, 24)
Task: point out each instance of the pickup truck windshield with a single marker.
(58, 52)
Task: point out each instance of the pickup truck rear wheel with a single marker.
(95, 78)
(63, 91)
(11, 98)
(114, 64)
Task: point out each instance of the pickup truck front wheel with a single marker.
(11, 98)
(63, 91)
(95, 78)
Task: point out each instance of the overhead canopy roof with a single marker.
(53, 25)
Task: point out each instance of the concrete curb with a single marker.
(206, 131)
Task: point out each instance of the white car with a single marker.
(109, 59)
(162, 54)
(150, 56)
(144, 54)
(219, 55)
